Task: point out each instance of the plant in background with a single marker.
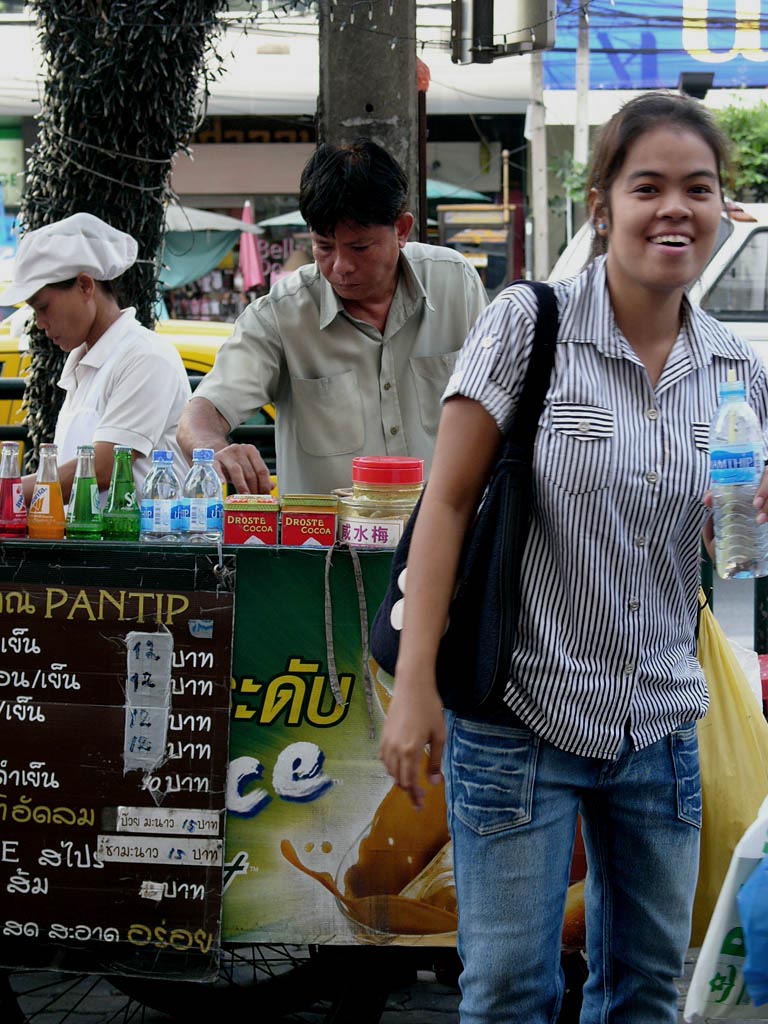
(572, 177)
(125, 84)
(747, 128)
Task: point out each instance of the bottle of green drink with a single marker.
(84, 520)
(122, 514)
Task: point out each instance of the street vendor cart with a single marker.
(191, 801)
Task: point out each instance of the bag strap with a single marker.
(522, 431)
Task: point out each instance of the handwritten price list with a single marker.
(114, 711)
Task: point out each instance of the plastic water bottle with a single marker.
(203, 500)
(161, 510)
(736, 455)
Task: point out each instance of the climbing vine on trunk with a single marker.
(125, 86)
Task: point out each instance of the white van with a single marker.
(734, 284)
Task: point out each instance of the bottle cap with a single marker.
(202, 454)
(85, 449)
(387, 469)
(121, 449)
(731, 389)
(48, 446)
(161, 455)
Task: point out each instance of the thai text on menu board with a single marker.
(114, 709)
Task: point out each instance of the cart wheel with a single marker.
(279, 984)
(274, 984)
(50, 997)
(9, 1011)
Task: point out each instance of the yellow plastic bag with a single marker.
(733, 746)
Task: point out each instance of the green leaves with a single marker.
(571, 175)
(747, 129)
(120, 97)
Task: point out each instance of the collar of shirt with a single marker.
(409, 294)
(96, 356)
(588, 319)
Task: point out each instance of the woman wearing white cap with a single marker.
(125, 385)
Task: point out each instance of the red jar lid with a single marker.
(387, 469)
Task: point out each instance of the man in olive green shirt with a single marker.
(354, 350)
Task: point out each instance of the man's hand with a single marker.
(244, 468)
(202, 426)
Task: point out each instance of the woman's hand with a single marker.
(761, 499)
(708, 532)
(414, 720)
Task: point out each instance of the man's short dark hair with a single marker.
(361, 183)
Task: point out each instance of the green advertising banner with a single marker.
(321, 848)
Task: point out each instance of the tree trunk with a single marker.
(123, 92)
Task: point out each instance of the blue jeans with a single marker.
(513, 801)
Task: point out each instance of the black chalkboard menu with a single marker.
(114, 708)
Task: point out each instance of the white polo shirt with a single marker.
(129, 389)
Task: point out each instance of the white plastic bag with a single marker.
(717, 989)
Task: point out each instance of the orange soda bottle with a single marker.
(45, 519)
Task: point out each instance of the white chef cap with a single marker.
(57, 252)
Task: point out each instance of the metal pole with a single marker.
(539, 190)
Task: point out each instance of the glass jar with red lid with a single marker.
(385, 490)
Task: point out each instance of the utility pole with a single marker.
(368, 79)
(539, 170)
(581, 123)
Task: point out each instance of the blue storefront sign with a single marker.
(648, 43)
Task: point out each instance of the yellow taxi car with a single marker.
(197, 342)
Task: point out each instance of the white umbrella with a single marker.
(293, 219)
(187, 218)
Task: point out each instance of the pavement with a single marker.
(424, 1000)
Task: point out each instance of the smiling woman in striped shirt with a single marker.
(600, 711)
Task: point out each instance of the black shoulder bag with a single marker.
(474, 657)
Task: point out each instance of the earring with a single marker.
(602, 226)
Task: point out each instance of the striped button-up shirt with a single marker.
(610, 577)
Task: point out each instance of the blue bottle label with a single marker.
(205, 515)
(735, 464)
(177, 513)
(147, 515)
(215, 515)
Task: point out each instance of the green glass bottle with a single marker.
(122, 514)
(84, 520)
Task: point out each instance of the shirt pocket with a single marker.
(430, 376)
(579, 449)
(329, 414)
(700, 475)
(701, 436)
